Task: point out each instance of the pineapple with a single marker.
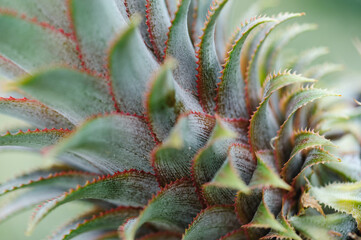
(171, 128)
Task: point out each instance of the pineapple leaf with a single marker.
(36, 139)
(40, 11)
(252, 80)
(28, 199)
(200, 14)
(212, 223)
(158, 23)
(227, 176)
(290, 104)
(180, 47)
(213, 194)
(304, 140)
(130, 188)
(49, 45)
(87, 96)
(174, 207)
(246, 205)
(264, 216)
(236, 171)
(10, 70)
(210, 158)
(314, 157)
(49, 178)
(308, 57)
(108, 220)
(209, 67)
(239, 234)
(265, 174)
(172, 159)
(262, 129)
(130, 72)
(139, 7)
(332, 226)
(115, 142)
(165, 100)
(322, 70)
(343, 197)
(230, 92)
(33, 112)
(95, 23)
(277, 44)
(289, 232)
(162, 236)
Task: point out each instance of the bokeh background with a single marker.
(339, 23)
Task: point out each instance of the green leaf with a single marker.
(262, 128)
(172, 159)
(162, 236)
(343, 197)
(265, 174)
(209, 68)
(73, 94)
(36, 139)
(41, 11)
(264, 216)
(26, 200)
(230, 94)
(49, 178)
(307, 57)
(10, 70)
(129, 188)
(139, 7)
(158, 23)
(290, 104)
(289, 232)
(210, 158)
(212, 223)
(246, 205)
(252, 80)
(236, 171)
(95, 24)
(166, 100)
(114, 142)
(314, 157)
(33, 112)
(174, 207)
(200, 17)
(332, 226)
(180, 47)
(279, 41)
(239, 234)
(109, 220)
(321, 70)
(303, 140)
(47, 44)
(130, 73)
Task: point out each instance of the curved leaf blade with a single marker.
(230, 100)
(115, 142)
(95, 23)
(180, 47)
(212, 223)
(75, 95)
(182, 198)
(33, 112)
(132, 188)
(130, 72)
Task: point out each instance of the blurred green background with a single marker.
(339, 23)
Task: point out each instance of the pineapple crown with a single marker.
(171, 128)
